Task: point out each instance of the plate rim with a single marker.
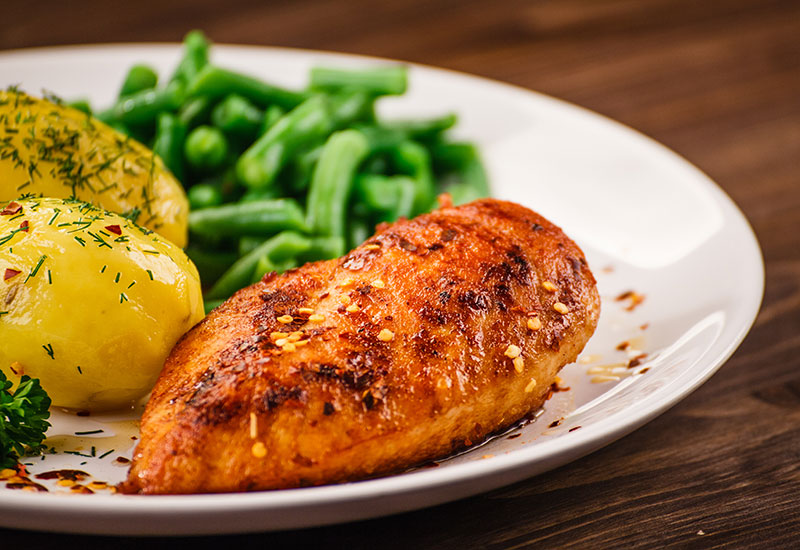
(577, 444)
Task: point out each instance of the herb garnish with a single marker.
(23, 415)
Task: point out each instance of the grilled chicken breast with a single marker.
(430, 336)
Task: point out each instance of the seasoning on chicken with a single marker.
(435, 333)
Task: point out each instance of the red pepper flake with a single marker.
(575, 428)
(555, 424)
(513, 436)
(623, 346)
(636, 361)
(25, 225)
(644, 370)
(12, 208)
(115, 229)
(121, 460)
(10, 273)
(634, 299)
(25, 485)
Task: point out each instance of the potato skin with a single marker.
(51, 150)
(90, 303)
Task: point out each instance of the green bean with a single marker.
(195, 111)
(215, 82)
(302, 168)
(262, 218)
(211, 305)
(452, 156)
(385, 80)
(119, 127)
(238, 116)
(385, 136)
(462, 193)
(168, 144)
(462, 161)
(139, 77)
(333, 180)
(271, 116)
(248, 244)
(265, 265)
(422, 130)
(413, 159)
(279, 248)
(204, 195)
(206, 148)
(225, 182)
(144, 106)
(306, 124)
(350, 106)
(210, 264)
(381, 139)
(195, 57)
(252, 195)
(81, 105)
(323, 248)
(392, 196)
(358, 231)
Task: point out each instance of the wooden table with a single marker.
(718, 82)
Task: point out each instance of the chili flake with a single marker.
(11, 208)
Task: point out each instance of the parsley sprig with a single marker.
(23, 418)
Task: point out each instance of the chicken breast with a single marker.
(432, 335)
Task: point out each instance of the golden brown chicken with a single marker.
(430, 336)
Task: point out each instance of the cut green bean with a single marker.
(82, 105)
(195, 111)
(195, 57)
(261, 218)
(215, 82)
(392, 196)
(272, 115)
(304, 125)
(268, 193)
(462, 162)
(168, 144)
(265, 265)
(279, 248)
(206, 148)
(332, 182)
(358, 231)
(139, 77)
(204, 195)
(351, 106)
(211, 264)
(211, 305)
(238, 116)
(414, 160)
(422, 129)
(302, 169)
(323, 248)
(247, 244)
(143, 107)
(384, 80)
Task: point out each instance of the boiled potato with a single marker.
(90, 303)
(50, 150)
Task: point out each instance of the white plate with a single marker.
(648, 221)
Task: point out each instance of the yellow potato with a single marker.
(49, 150)
(90, 303)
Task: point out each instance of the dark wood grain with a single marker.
(719, 82)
